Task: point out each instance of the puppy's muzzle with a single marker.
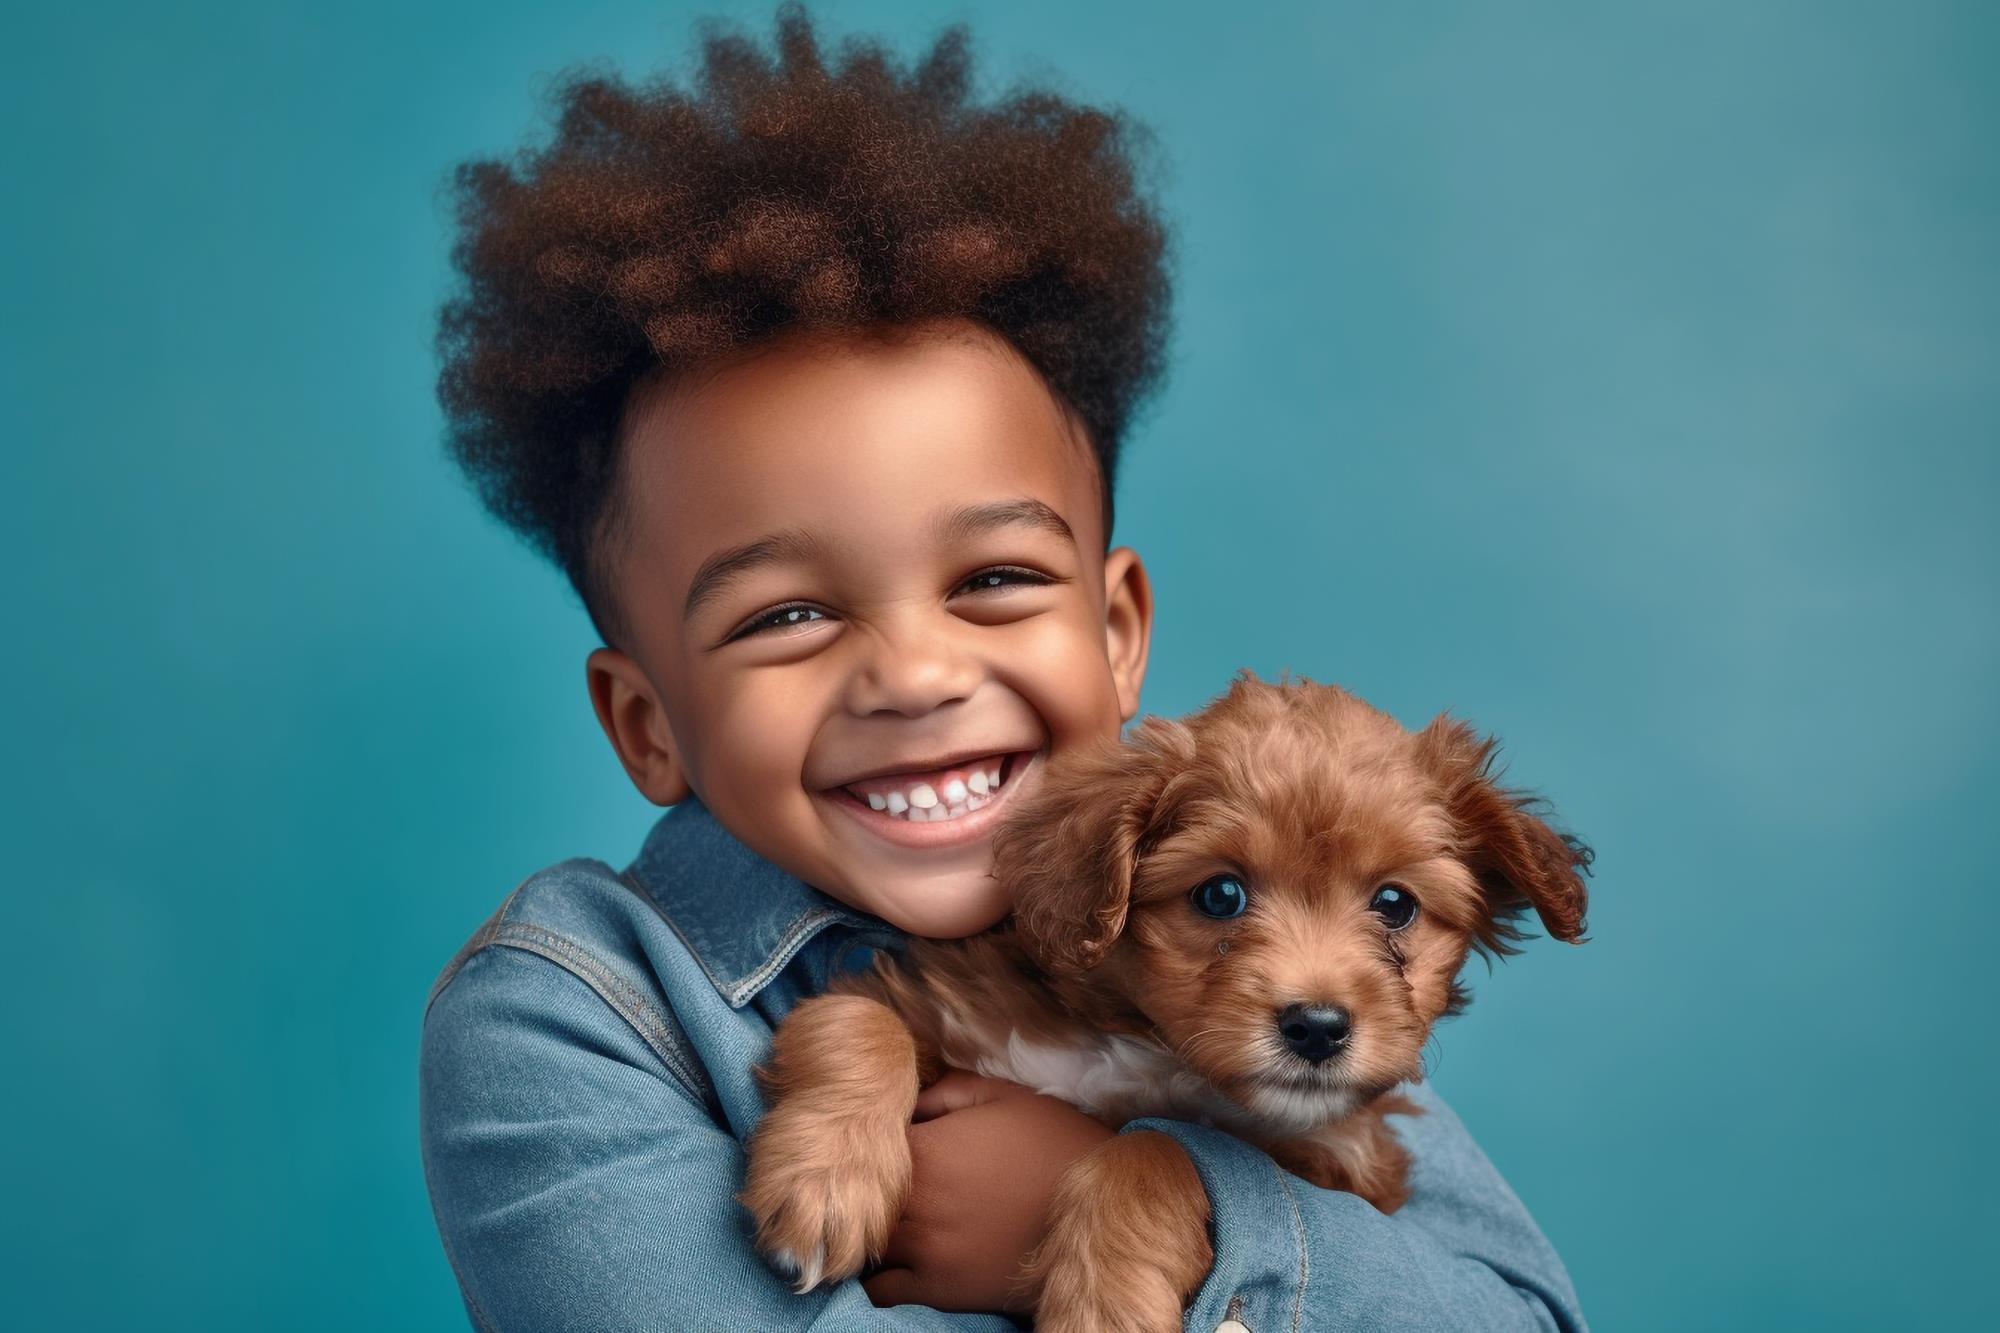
(1315, 1032)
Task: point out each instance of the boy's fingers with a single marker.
(907, 1245)
(892, 1286)
(958, 1090)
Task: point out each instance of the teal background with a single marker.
(1623, 378)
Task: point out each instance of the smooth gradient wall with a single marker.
(1621, 377)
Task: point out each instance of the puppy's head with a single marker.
(1286, 885)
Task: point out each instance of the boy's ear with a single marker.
(1518, 859)
(1128, 625)
(636, 724)
(1068, 854)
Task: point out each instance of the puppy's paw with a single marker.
(1132, 1298)
(803, 1272)
(825, 1191)
(1127, 1242)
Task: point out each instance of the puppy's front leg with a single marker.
(1360, 1154)
(1127, 1242)
(830, 1161)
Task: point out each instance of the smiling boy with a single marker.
(814, 381)
(895, 579)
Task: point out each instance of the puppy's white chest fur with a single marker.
(1113, 1075)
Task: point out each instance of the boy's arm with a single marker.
(578, 1185)
(1462, 1253)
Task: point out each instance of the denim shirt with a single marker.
(586, 1093)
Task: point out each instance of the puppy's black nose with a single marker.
(1314, 1031)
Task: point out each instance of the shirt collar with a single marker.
(740, 916)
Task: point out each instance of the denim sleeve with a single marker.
(1289, 1256)
(578, 1185)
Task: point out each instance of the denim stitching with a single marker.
(795, 939)
(480, 939)
(742, 990)
(633, 883)
(659, 1031)
(1305, 1257)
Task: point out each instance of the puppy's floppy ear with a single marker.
(1068, 853)
(1518, 859)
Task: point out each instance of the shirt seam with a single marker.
(741, 991)
(796, 938)
(660, 1031)
(480, 939)
(1305, 1255)
(638, 888)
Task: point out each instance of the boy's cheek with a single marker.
(1067, 678)
(748, 732)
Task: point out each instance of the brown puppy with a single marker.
(1250, 918)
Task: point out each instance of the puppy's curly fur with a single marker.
(1112, 988)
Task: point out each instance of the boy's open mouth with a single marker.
(936, 794)
(935, 807)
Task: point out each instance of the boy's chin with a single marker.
(945, 907)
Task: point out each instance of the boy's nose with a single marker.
(912, 674)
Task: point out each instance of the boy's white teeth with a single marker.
(963, 791)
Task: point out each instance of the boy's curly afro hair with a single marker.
(662, 227)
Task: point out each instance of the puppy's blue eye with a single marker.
(1395, 905)
(1223, 896)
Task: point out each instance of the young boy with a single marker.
(813, 381)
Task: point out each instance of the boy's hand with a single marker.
(987, 1156)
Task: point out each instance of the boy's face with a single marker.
(863, 579)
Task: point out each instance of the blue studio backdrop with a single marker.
(1621, 377)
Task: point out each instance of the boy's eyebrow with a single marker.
(963, 524)
(720, 569)
(801, 547)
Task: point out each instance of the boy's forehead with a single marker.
(864, 441)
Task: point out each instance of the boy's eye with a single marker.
(1003, 576)
(795, 614)
(781, 617)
